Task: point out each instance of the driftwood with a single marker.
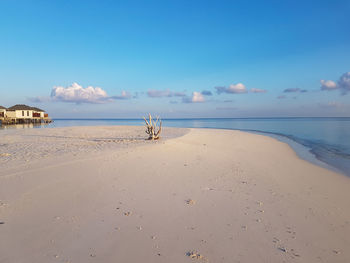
(153, 128)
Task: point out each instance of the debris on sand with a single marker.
(194, 255)
(190, 202)
(283, 249)
(127, 213)
(208, 189)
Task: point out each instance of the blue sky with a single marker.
(176, 58)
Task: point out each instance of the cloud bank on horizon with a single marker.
(76, 93)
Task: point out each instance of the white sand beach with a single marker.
(104, 194)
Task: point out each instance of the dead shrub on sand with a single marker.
(153, 128)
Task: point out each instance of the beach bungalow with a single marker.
(21, 113)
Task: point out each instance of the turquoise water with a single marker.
(327, 139)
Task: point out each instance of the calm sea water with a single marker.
(324, 141)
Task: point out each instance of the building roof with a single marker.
(37, 109)
(23, 107)
(20, 107)
(2, 108)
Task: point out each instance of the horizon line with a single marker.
(207, 118)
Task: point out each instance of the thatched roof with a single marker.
(2, 108)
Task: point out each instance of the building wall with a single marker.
(11, 114)
(25, 114)
(28, 114)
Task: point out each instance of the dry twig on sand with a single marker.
(153, 128)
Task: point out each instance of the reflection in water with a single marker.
(23, 126)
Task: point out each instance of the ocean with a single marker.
(322, 141)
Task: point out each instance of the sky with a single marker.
(176, 59)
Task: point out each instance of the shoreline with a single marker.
(204, 195)
(304, 151)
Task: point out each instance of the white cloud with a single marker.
(328, 85)
(78, 94)
(125, 95)
(196, 97)
(233, 89)
(237, 88)
(258, 90)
